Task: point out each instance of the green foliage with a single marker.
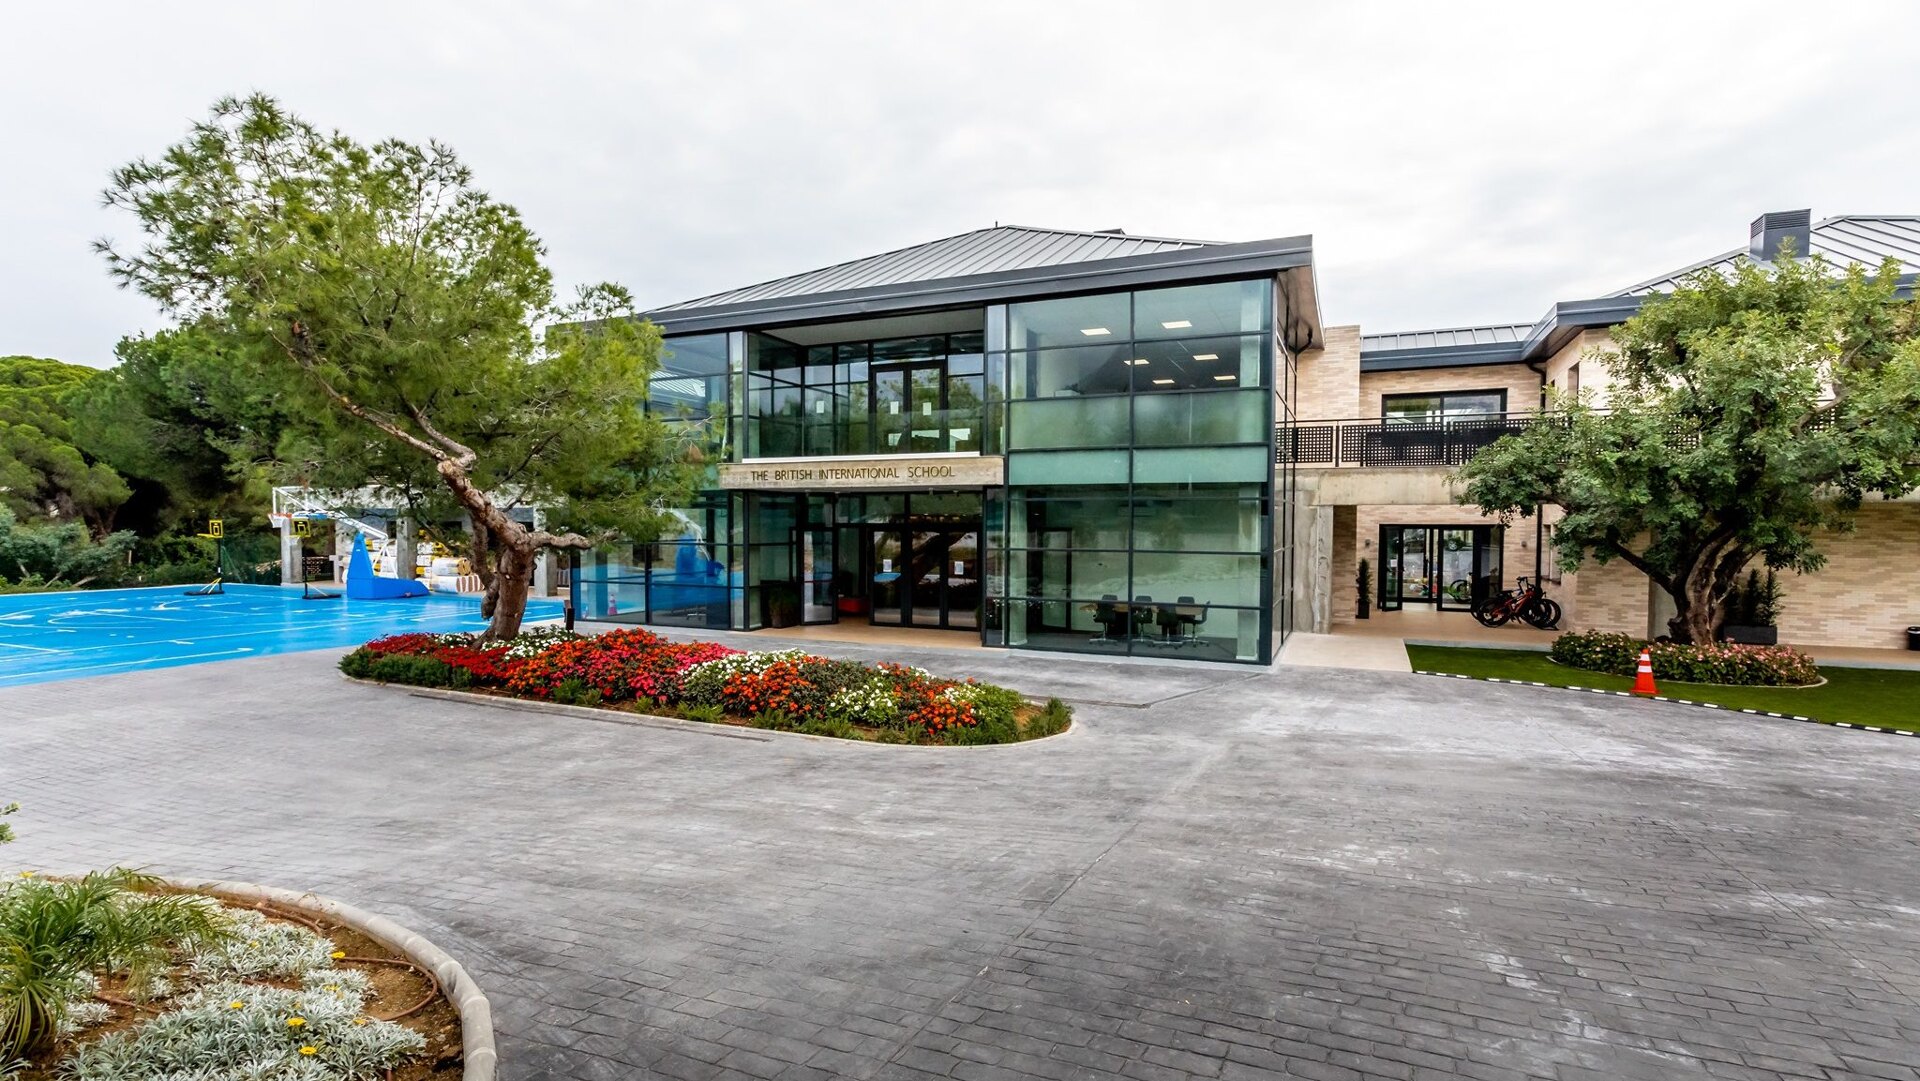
(1052, 720)
(573, 691)
(778, 720)
(1749, 414)
(388, 307)
(1756, 604)
(1714, 662)
(44, 474)
(62, 555)
(411, 669)
(55, 934)
(705, 714)
(6, 830)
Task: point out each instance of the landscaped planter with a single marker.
(636, 671)
(1750, 636)
(247, 977)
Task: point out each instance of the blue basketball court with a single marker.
(51, 636)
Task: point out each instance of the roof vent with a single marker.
(1771, 228)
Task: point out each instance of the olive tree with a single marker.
(405, 321)
(1750, 413)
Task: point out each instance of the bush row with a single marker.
(788, 689)
(1718, 662)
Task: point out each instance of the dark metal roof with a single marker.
(1451, 337)
(983, 251)
(1854, 238)
(1048, 263)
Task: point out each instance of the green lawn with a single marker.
(1885, 697)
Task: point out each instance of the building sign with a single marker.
(854, 474)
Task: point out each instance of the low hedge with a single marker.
(789, 689)
(1719, 662)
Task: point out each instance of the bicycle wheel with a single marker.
(1492, 611)
(1543, 613)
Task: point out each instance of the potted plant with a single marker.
(1363, 588)
(783, 603)
(1751, 612)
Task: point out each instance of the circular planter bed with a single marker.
(636, 671)
(234, 980)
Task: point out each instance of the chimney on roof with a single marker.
(1771, 228)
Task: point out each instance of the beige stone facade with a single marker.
(1866, 595)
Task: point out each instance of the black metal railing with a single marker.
(1377, 442)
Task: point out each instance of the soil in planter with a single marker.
(396, 987)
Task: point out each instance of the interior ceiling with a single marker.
(890, 326)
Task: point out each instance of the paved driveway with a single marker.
(1221, 873)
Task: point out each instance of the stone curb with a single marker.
(681, 724)
(1675, 701)
(477, 1053)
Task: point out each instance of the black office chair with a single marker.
(1107, 613)
(1143, 615)
(1189, 625)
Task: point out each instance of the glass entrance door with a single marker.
(1448, 567)
(926, 577)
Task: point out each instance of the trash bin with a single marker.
(1913, 638)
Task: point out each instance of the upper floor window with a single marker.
(1442, 407)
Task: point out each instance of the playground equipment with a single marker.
(364, 585)
(217, 530)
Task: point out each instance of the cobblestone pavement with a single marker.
(1220, 873)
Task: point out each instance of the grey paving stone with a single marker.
(1222, 873)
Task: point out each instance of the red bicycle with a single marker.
(1525, 602)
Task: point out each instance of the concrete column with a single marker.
(291, 551)
(1317, 535)
(405, 552)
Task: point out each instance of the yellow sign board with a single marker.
(216, 527)
(302, 527)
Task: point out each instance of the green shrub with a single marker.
(1717, 662)
(358, 664)
(705, 714)
(829, 726)
(1052, 719)
(573, 691)
(415, 670)
(774, 719)
(6, 831)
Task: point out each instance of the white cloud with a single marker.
(1455, 163)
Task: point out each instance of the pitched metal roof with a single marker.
(1852, 238)
(983, 251)
(1451, 337)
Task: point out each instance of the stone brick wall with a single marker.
(1521, 383)
(1328, 387)
(1594, 376)
(1866, 596)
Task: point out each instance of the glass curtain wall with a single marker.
(919, 395)
(1138, 513)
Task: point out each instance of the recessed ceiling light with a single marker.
(1137, 361)
(1094, 332)
(1163, 382)
(1226, 378)
(1206, 356)
(1178, 324)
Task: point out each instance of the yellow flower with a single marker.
(337, 954)
(235, 1004)
(309, 1050)
(26, 874)
(361, 1020)
(296, 1022)
(251, 945)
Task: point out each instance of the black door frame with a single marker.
(908, 582)
(908, 393)
(1487, 571)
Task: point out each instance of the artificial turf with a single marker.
(1886, 697)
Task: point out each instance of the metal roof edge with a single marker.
(1457, 356)
(1216, 260)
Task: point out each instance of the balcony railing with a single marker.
(1376, 442)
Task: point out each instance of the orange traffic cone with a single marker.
(1643, 677)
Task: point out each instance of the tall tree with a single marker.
(44, 475)
(395, 308)
(1749, 414)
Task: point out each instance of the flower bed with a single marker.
(122, 980)
(1719, 662)
(640, 671)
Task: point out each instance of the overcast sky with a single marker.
(1455, 163)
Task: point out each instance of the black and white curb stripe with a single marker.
(1677, 702)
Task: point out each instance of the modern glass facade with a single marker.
(1135, 513)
